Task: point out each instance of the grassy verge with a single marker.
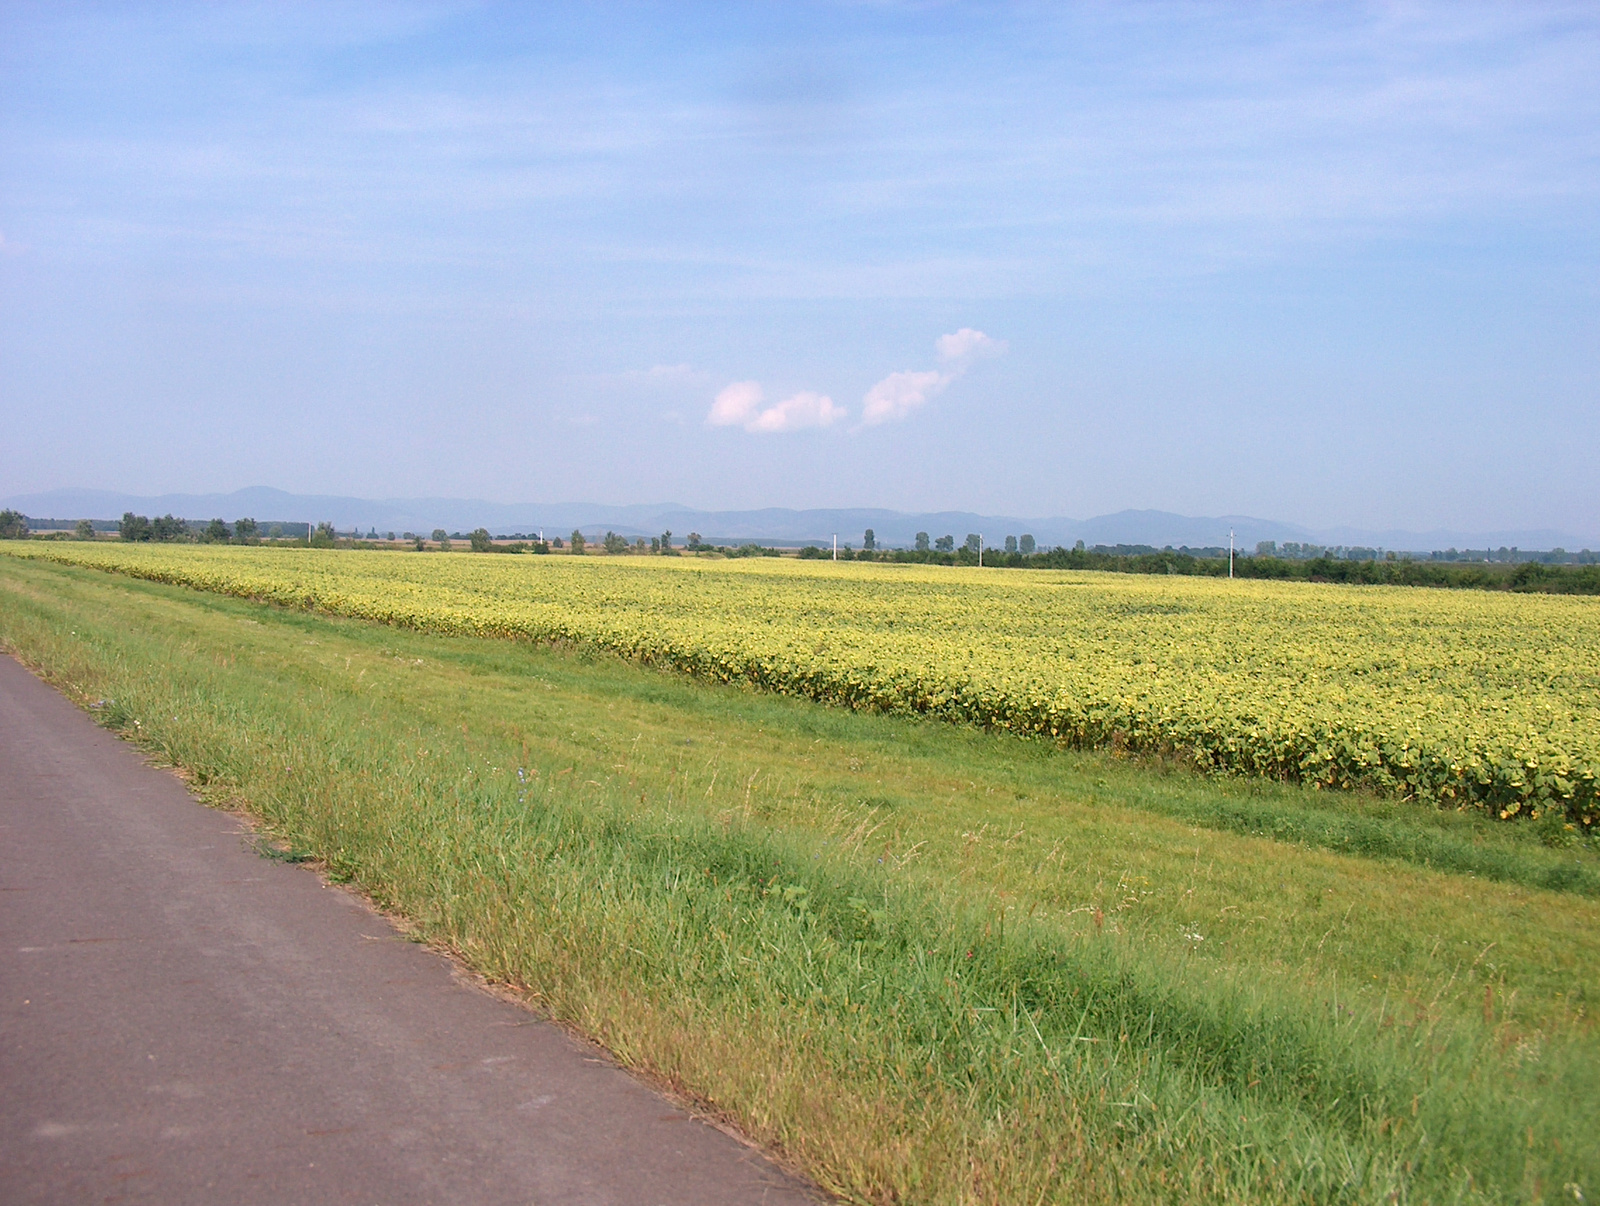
(925, 963)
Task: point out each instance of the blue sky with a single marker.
(1333, 264)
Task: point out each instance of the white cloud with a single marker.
(742, 403)
(898, 394)
(966, 345)
(805, 409)
(739, 404)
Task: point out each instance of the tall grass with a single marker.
(899, 1038)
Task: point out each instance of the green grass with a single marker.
(925, 963)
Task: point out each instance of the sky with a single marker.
(1324, 263)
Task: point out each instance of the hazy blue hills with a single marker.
(770, 524)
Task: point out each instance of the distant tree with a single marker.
(1011, 544)
(615, 545)
(972, 541)
(693, 542)
(1078, 547)
(13, 525)
(168, 528)
(666, 544)
(419, 543)
(244, 531)
(869, 541)
(480, 540)
(945, 544)
(1028, 546)
(372, 533)
(655, 544)
(390, 536)
(640, 547)
(1266, 548)
(324, 537)
(216, 533)
(275, 532)
(84, 530)
(578, 543)
(922, 542)
(441, 538)
(133, 527)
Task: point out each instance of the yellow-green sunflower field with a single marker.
(1462, 698)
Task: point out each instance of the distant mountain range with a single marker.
(769, 525)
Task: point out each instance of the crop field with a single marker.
(921, 962)
(1458, 699)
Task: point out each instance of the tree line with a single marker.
(1578, 575)
(166, 528)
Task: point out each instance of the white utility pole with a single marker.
(836, 546)
(1230, 552)
(980, 550)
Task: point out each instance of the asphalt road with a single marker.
(183, 1020)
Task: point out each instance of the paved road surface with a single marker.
(182, 1020)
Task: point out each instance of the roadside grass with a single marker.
(923, 962)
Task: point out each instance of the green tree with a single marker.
(869, 541)
(419, 543)
(693, 542)
(666, 543)
(1011, 544)
(945, 544)
(480, 540)
(442, 539)
(972, 542)
(217, 533)
(166, 527)
(922, 542)
(84, 530)
(13, 525)
(134, 527)
(578, 543)
(324, 537)
(614, 544)
(1028, 545)
(245, 531)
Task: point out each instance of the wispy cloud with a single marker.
(665, 373)
(741, 405)
(901, 394)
